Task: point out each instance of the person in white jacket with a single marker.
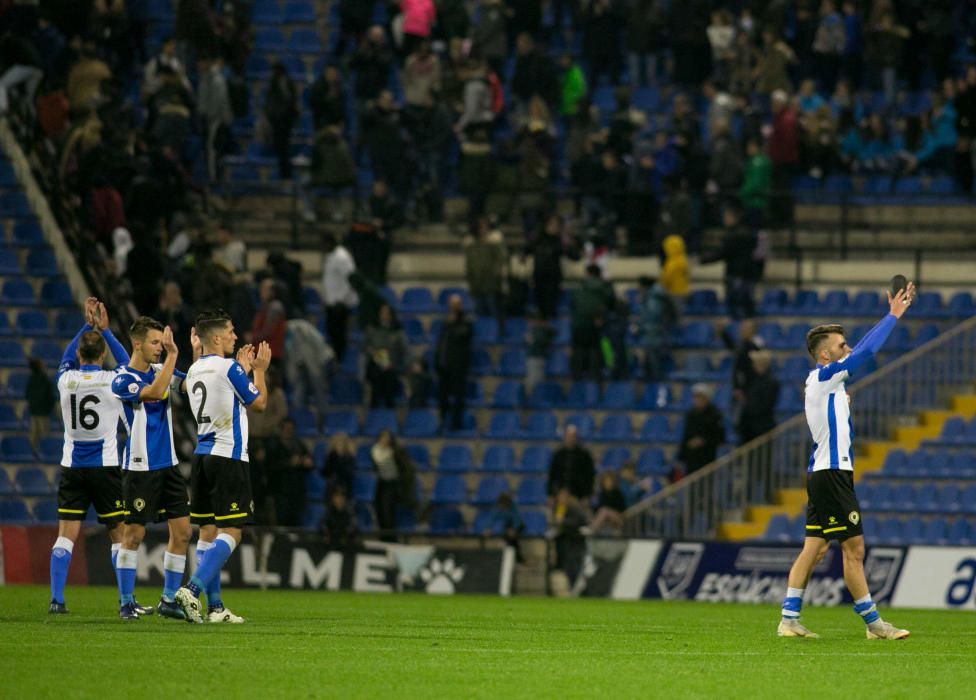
(337, 294)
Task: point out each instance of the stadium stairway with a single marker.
(792, 502)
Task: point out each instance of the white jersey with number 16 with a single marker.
(219, 393)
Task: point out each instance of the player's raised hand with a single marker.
(169, 345)
(91, 304)
(245, 356)
(263, 359)
(899, 303)
(101, 317)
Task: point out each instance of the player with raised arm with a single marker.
(833, 512)
(152, 487)
(220, 483)
(90, 472)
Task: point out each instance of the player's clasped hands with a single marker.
(901, 301)
(245, 355)
(263, 359)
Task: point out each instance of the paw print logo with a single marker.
(441, 577)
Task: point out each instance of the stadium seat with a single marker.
(489, 489)
(535, 459)
(484, 522)
(420, 423)
(50, 450)
(512, 363)
(378, 420)
(16, 383)
(546, 395)
(47, 352)
(504, 426)
(449, 490)
(584, 424)
(614, 458)
(41, 263)
(961, 305)
(46, 511)
(33, 482)
(936, 531)
(9, 263)
(270, 40)
(651, 462)
(535, 523)
(319, 453)
(778, 529)
(33, 324)
(498, 458)
(364, 517)
(56, 293)
(306, 424)
(314, 487)
(346, 391)
(266, 12)
(960, 533)
(420, 455)
(583, 395)
(656, 397)
(6, 485)
(469, 427)
(8, 418)
(313, 515)
(615, 428)
(514, 332)
(619, 396)
(480, 364)
(13, 510)
(305, 41)
(890, 532)
(341, 422)
(703, 302)
(485, 331)
(364, 487)
(656, 429)
(17, 292)
(508, 394)
(413, 328)
(446, 521)
(16, 448)
(455, 458)
(418, 300)
(531, 492)
(14, 205)
(557, 365)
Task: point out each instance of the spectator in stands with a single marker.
(758, 414)
(85, 79)
(433, 138)
(655, 319)
(264, 430)
(525, 17)
(453, 356)
(195, 32)
(601, 22)
(337, 293)
(41, 400)
(419, 384)
(107, 210)
(281, 110)
(354, 19)
(743, 68)
(784, 152)
(20, 65)
(269, 322)
(340, 521)
(885, 44)
(488, 37)
(547, 273)
(689, 41)
(386, 144)
(371, 64)
(421, 78)
(675, 273)
(327, 99)
(519, 274)
(828, 45)
(820, 142)
(704, 431)
(477, 111)
(742, 269)
(292, 466)
(633, 489)
(572, 86)
(484, 268)
(174, 313)
(144, 271)
(333, 165)
(340, 464)
(170, 107)
(571, 467)
(610, 505)
(748, 343)
(369, 246)
(721, 38)
(772, 68)
(386, 213)
(231, 251)
(568, 527)
(852, 60)
(534, 75)
(287, 274)
(307, 356)
(756, 185)
(385, 346)
(214, 108)
(541, 338)
(645, 187)
(590, 304)
(938, 139)
(645, 39)
(418, 22)
(395, 484)
(725, 164)
(505, 519)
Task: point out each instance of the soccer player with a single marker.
(833, 512)
(219, 393)
(90, 461)
(152, 487)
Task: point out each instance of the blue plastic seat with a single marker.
(17, 384)
(33, 482)
(512, 363)
(514, 332)
(17, 292)
(615, 428)
(455, 458)
(480, 364)
(961, 305)
(11, 354)
(364, 487)
(498, 458)
(891, 532)
(583, 422)
(312, 515)
(535, 459)
(959, 533)
(531, 492)
(446, 521)
(16, 448)
(449, 490)
(306, 424)
(299, 12)
(773, 301)
(47, 352)
(378, 420)
(927, 305)
(56, 293)
(270, 40)
(46, 511)
(650, 462)
(13, 511)
(418, 300)
(489, 489)
(504, 426)
(655, 397)
(319, 453)
(614, 458)
(484, 521)
(9, 262)
(583, 395)
(6, 485)
(346, 391)
(703, 302)
(50, 449)
(557, 365)
(14, 205)
(697, 334)
(420, 423)
(41, 263)
(656, 429)
(33, 323)
(314, 487)
(8, 418)
(535, 523)
(547, 395)
(468, 429)
(413, 328)
(936, 532)
(419, 454)
(341, 422)
(778, 529)
(305, 41)
(485, 331)
(256, 68)
(312, 301)
(619, 396)
(508, 395)
(266, 12)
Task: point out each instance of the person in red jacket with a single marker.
(784, 152)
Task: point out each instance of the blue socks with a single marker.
(211, 563)
(173, 567)
(212, 589)
(60, 561)
(866, 608)
(792, 603)
(125, 574)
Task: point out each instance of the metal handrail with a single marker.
(755, 472)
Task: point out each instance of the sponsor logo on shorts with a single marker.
(831, 520)
(139, 504)
(233, 506)
(854, 517)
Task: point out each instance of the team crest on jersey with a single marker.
(854, 517)
(72, 385)
(133, 388)
(139, 504)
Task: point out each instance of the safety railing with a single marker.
(752, 474)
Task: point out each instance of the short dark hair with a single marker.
(91, 347)
(817, 335)
(142, 326)
(210, 322)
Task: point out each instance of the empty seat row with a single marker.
(958, 431)
(884, 530)
(924, 498)
(29, 481)
(20, 292)
(930, 463)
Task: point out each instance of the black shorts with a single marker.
(154, 496)
(221, 492)
(98, 486)
(833, 512)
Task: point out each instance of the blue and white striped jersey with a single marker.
(150, 423)
(219, 393)
(829, 417)
(91, 417)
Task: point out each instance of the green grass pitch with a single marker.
(342, 645)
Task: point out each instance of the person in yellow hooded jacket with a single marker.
(676, 273)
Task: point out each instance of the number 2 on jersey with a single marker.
(201, 388)
(80, 413)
